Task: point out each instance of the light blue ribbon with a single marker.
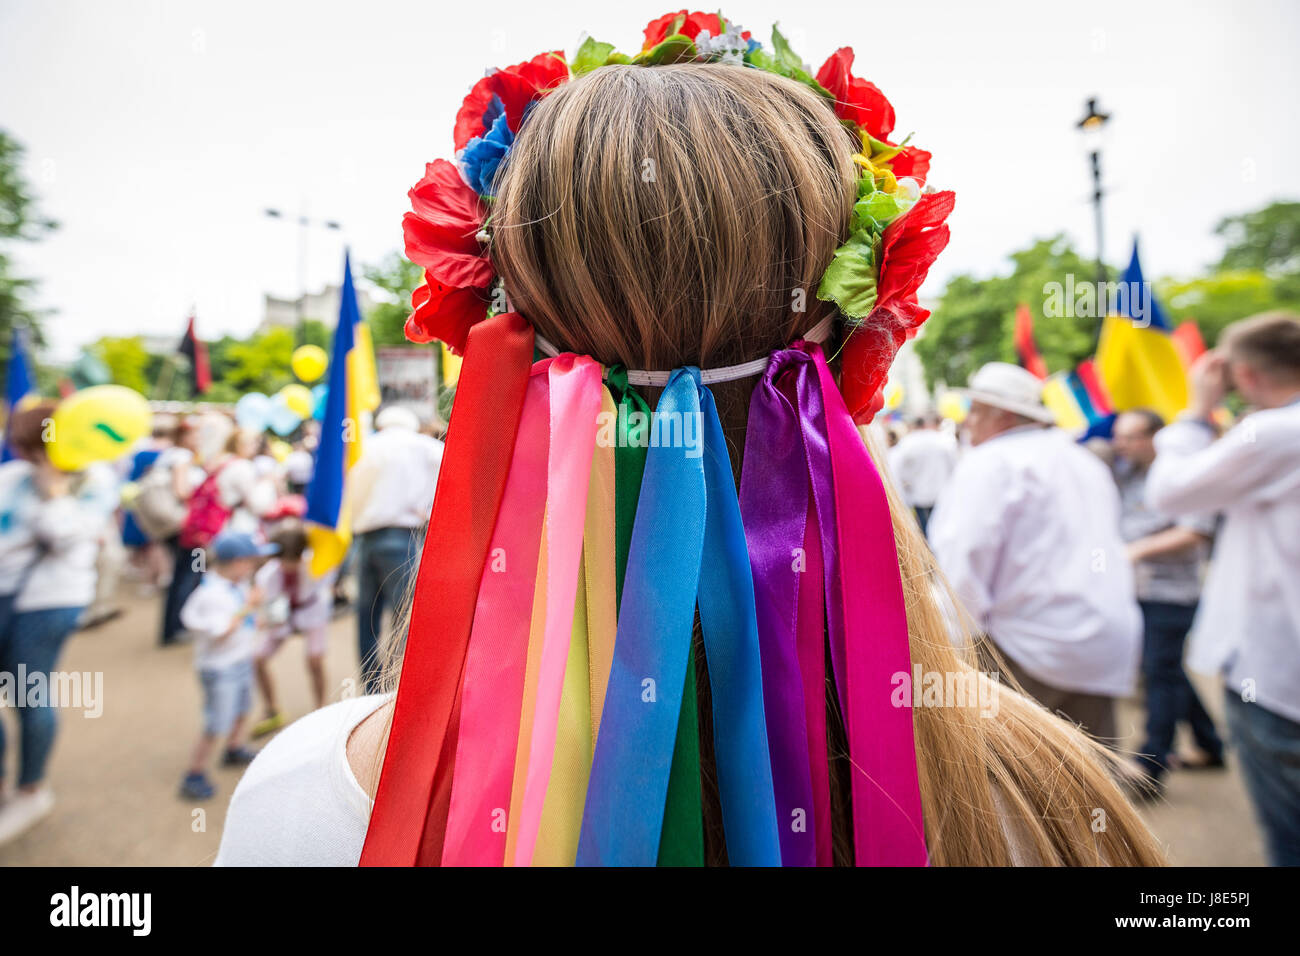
(687, 541)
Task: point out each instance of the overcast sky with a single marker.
(158, 132)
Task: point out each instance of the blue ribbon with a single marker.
(687, 543)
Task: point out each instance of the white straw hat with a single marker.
(1009, 387)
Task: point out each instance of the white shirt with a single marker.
(247, 494)
(1248, 623)
(921, 464)
(298, 803)
(311, 605)
(48, 548)
(1027, 532)
(392, 484)
(174, 456)
(209, 612)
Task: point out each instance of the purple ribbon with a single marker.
(787, 469)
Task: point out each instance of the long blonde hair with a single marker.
(666, 216)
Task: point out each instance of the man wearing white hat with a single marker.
(1027, 533)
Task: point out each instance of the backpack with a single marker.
(206, 515)
(157, 510)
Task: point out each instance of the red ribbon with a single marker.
(408, 821)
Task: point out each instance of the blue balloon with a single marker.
(282, 419)
(319, 396)
(253, 411)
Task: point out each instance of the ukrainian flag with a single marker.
(1137, 359)
(353, 390)
(18, 383)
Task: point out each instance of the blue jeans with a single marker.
(1170, 695)
(227, 696)
(1268, 745)
(184, 580)
(33, 639)
(387, 559)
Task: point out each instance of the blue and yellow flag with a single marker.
(1136, 357)
(18, 383)
(353, 390)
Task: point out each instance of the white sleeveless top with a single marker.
(298, 803)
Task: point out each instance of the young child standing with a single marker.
(222, 615)
(297, 602)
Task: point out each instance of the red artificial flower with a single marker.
(657, 31)
(912, 162)
(907, 250)
(517, 86)
(856, 99)
(441, 235)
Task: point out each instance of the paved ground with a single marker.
(116, 775)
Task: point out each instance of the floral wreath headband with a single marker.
(547, 712)
(897, 228)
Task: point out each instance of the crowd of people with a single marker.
(209, 518)
(1087, 566)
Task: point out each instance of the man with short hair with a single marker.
(1167, 553)
(1027, 532)
(1248, 625)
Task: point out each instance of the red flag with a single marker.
(1026, 350)
(1087, 373)
(1188, 342)
(197, 352)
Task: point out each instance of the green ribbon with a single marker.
(681, 842)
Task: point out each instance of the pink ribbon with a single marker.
(494, 669)
(575, 404)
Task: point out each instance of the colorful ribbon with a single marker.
(687, 544)
(494, 667)
(575, 402)
(887, 826)
(480, 445)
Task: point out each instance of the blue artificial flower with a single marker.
(482, 155)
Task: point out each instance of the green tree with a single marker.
(1221, 298)
(975, 320)
(1267, 239)
(19, 222)
(127, 360)
(395, 278)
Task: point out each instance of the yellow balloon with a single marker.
(893, 396)
(279, 450)
(309, 363)
(298, 398)
(952, 407)
(101, 423)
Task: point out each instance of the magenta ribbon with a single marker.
(808, 480)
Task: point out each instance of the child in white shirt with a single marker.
(297, 602)
(221, 614)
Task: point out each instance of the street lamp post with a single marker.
(1091, 126)
(305, 224)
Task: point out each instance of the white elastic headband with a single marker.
(709, 376)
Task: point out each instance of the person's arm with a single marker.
(1194, 473)
(1169, 541)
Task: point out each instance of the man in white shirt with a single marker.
(1248, 624)
(1027, 533)
(389, 494)
(921, 463)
